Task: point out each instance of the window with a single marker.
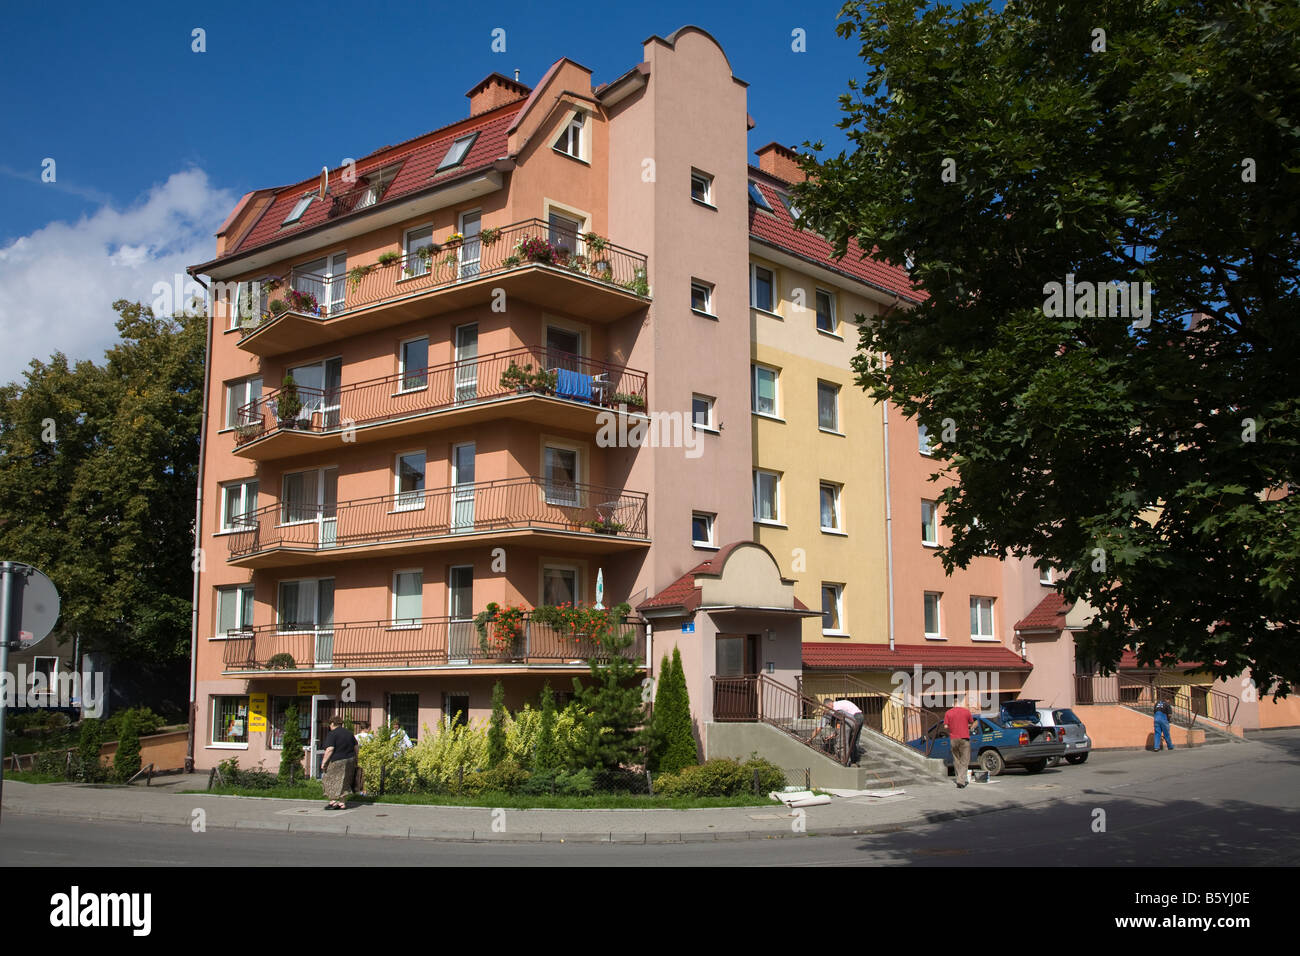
(409, 478)
(1045, 576)
(757, 198)
(325, 279)
(404, 710)
(825, 311)
(761, 288)
(981, 618)
(701, 187)
(250, 304)
(230, 720)
(564, 232)
(559, 584)
(828, 406)
(306, 605)
(234, 609)
(239, 394)
(457, 152)
(832, 608)
(415, 240)
(830, 507)
(298, 209)
(408, 597)
(766, 491)
(923, 440)
(279, 705)
(561, 477)
(298, 501)
(374, 186)
(238, 502)
(569, 141)
(932, 614)
(929, 523)
(460, 592)
(702, 529)
(701, 297)
(702, 411)
(414, 362)
(789, 204)
(763, 390)
(48, 667)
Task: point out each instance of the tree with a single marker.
(612, 734)
(98, 469)
(89, 769)
(1146, 453)
(674, 734)
(546, 756)
(291, 747)
(497, 728)
(126, 762)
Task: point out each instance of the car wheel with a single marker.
(1053, 761)
(1038, 766)
(992, 761)
(1077, 758)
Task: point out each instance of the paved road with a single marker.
(1244, 810)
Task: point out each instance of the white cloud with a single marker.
(58, 284)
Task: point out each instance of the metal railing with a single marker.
(426, 642)
(1142, 693)
(472, 508)
(454, 384)
(883, 713)
(760, 698)
(530, 242)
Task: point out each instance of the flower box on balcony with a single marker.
(600, 526)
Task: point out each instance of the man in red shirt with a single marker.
(958, 720)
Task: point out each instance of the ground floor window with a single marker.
(230, 720)
(456, 709)
(278, 706)
(405, 709)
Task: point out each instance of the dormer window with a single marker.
(375, 186)
(459, 150)
(569, 141)
(757, 198)
(299, 208)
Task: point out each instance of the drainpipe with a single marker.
(889, 530)
(198, 535)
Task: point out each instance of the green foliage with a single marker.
(546, 756)
(281, 661)
(388, 768)
(287, 402)
(146, 722)
(51, 763)
(86, 764)
(126, 762)
(674, 735)
(105, 505)
(234, 776)
(722, 777)
(496, 751)
(442, 759)
(291, 747)
(1151, 463)
(612, 733)
(554, 781)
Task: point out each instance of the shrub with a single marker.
(546, 755)
(291, 747)
(555, 781)
(126, 762)
(146, 722)
(53, 763)
(442, 760)
(505, 777)
(721, 777)
(384, 762)
(281, 662)
(496, 751)
(257, 778)
(674, 736)
(86, 765)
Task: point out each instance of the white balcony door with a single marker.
(471, 250)
(318, 389)
(329, 507)
(462, 493)
(410, 482)
(467, 363)
(460, 610)
(309, 606)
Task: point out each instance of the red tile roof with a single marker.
(685, 594)
(1048, 615)
(419, 159)
(878, 657)
(777, 228)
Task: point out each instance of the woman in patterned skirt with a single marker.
(338, 764)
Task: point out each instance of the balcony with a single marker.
(597, 281)
(578, 517)
(458, 393)
(426, 644)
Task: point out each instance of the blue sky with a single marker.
(153, 143)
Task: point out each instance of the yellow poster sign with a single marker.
(308, 687)
(257, 704)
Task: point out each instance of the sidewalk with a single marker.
(843, 817)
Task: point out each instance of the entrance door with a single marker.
(462, 492)
(460, 611)
(736, 685)
(322, 706)
(563, 347)
(467, 363)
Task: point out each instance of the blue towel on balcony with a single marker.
(573, 385)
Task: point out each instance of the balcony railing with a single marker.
(427, 642)
(421, 391)
(531, 242)
(472, 508)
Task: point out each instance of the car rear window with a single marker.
(1066, 716)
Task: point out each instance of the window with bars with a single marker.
(230, 720)
(405, 709)
(279, 706)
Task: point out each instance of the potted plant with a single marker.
(357, 273)
(247, 431)
(454, 240)
(303, 302)
(450, 261)
(489, 236)
(595, 244)
(499, 629)
(631, 401)
(602, 269)
(535, 249)
(278, 308)
(638, 284)
(281, 662)
(605, 526)
(578, 263)
(287, 403)
(520, 379)
(542, 381)
(389, 257)
(511, 262)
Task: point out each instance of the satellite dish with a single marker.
(324, 182)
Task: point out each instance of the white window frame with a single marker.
(757, 198)
(776, 389)
(931, 525)
(923, 444)
(838, 527)
(835, 320)
(575, 143)
(405, 623)
(753, 288)
(838, 588)
(240, 623)
(776, 496)
(417, 265)
(977, 603)
(409, 502)
(1045, 577)
(835, 390)
(576, 500)
(937, 634)
(315, 614)
(707, 180)
(226, 523)
(403, 388)
(238, 394)
(709, 518)
(212, 722)
(707, 289)
(709, 401)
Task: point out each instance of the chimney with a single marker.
(780, 162)
(495, 90)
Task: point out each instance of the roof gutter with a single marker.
(197, 563)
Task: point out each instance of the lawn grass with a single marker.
(514, 801)
(27, 776)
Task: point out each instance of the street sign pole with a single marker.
(7, 574)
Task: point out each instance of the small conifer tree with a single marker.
(291, 747)
(497, 729)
